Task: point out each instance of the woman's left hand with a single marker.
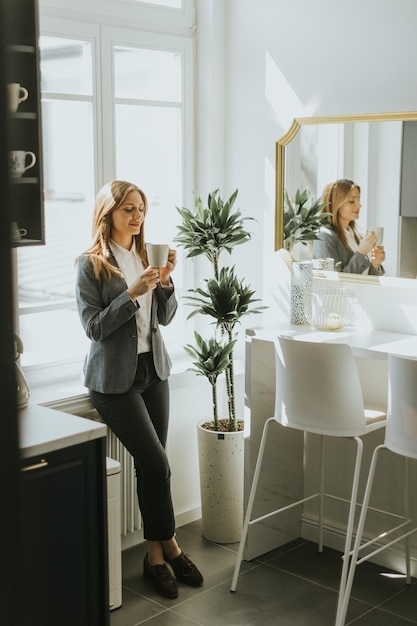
(165, 272)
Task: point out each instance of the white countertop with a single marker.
(373, 343)
(44, 430)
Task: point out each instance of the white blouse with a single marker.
(353, 245)
(131, 267)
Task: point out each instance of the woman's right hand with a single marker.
(378, 256)
(367, 243)
(146, 282)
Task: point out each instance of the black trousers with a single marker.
(139, 418)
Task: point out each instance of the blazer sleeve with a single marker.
(345, 260)
(103, 306)
(167, 303)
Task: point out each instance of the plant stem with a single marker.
(214, 401)
(230, 390)
(216, 266)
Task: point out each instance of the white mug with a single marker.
(379, 232)
(157, 254)
(18, 162)
(16, 94)
(16, 232)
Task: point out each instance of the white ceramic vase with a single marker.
(221, 481)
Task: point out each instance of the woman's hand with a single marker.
(165, 272)
(367, 243)
(377, 256)
(146, 282)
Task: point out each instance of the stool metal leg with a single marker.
(349, 530)
(344, 593)
(407, 515)
(251, 501)
(321, 496)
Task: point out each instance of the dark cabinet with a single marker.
(24, 127)
(408, 199)
(64, 577)
(408, 202)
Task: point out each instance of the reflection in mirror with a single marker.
(379, 153)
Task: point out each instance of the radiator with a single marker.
(130, 515)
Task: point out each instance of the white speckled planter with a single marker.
(221, 482)
(300, 297)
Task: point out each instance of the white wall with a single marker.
(286, 59)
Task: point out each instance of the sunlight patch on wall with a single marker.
(280, 95)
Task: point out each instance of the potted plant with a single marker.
(212, 359)
(303, 218)
(210, 231)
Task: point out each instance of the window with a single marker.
(116, 103)
(48, 319)
(151, 126)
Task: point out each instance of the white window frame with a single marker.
(121, 12)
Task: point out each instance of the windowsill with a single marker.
(70, 391)
(54, 392)
(48, 390)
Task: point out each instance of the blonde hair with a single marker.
(335, 194)
(110, 197)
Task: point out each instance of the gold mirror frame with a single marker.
(286, 139)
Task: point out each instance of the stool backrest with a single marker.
(401, 429)
(318, 388)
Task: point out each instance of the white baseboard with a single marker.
(188, 516)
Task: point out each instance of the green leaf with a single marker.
(303, 218)
(212, 228)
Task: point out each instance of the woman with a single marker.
(121, 302)
(341, 240)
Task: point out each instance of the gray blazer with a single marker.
(345, 260)
(108, 317)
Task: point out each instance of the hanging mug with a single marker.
(16, 232)
(16, 94)
(18, 162)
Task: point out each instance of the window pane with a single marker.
(66, 66)
(47, 272)
(52, 337)
(143, 74)
(149, 153)
(149, 138)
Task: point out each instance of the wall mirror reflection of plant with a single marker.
(304, 216)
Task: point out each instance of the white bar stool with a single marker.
(318, 391)
(400, 438)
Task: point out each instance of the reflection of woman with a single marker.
(341, 240)
(121, 302)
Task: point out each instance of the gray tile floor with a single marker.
(291, 586)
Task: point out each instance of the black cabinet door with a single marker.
(64, 538)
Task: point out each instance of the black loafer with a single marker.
(164, 582)
(185, 570)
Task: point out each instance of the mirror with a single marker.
(378, 152)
